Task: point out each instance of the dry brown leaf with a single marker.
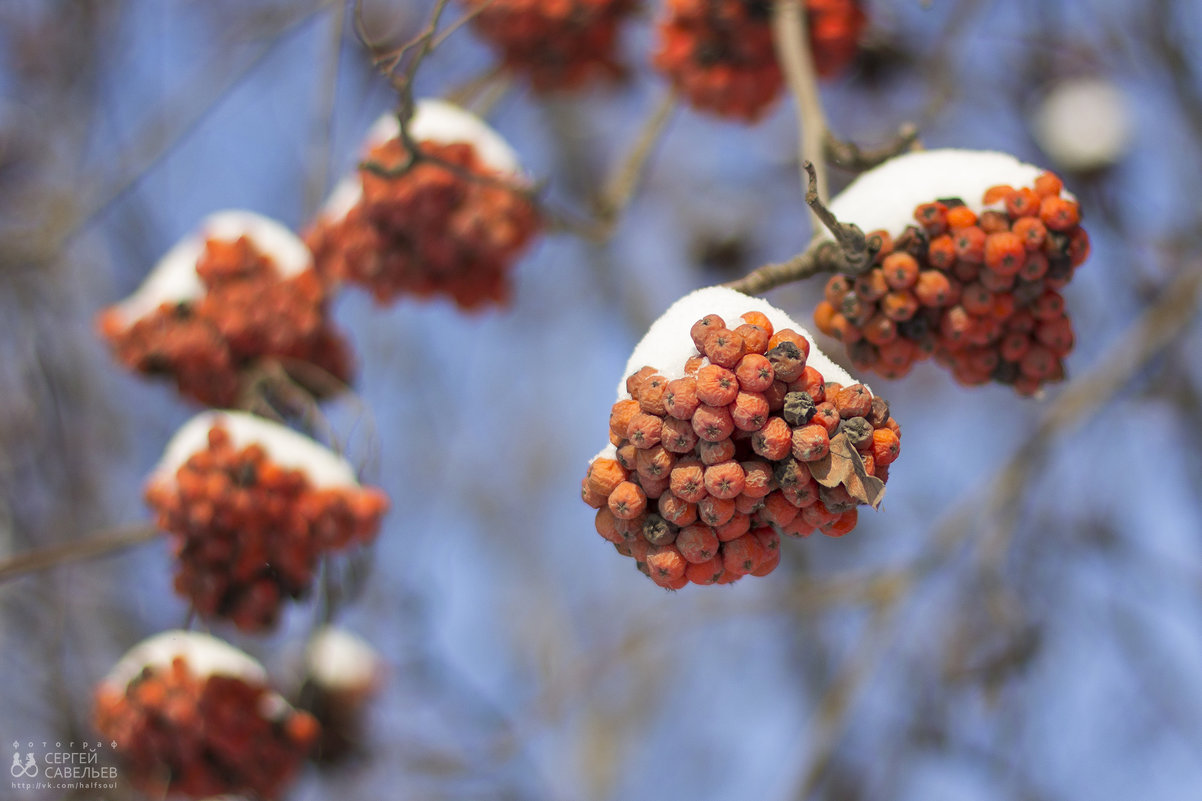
(844, 465)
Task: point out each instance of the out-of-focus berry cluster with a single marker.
(980, 293)
(749, 443)
(445, 223)
(719, 53)
(249, 312)
(182, 732)
(248, 531)
(558, 44)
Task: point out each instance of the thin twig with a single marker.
(102, 543)
(318, 175)
(791, 37)
(854, 158)
(850, 252)
(622, 184)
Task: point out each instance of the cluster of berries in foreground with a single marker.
(749, 443)
(558, 44)
(979, 292)
(442, 221)
(192, 716)
(719, 53)
(249, 531)
(248, 311)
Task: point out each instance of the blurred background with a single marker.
(1022, 619)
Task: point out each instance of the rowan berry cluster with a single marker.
(249, 530)
(246, 308)
(185, 727)
(978, 292)
(443, 220)
(749, 442)
(719, 53)
(557, 44)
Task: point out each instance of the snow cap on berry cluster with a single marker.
(205, 655)
(287, 448)
(174, 278)
(336, 658)
(884, 197)
(1083, 124)
(667, 346)
(432, 121)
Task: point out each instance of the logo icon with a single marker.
(28, 770)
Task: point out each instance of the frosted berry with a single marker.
(711, 507)
(193, 716)
(251, 507)
(449, 220)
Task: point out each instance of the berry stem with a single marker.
(856, 158)
(101, 543)
(621, 186)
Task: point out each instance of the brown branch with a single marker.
(850, 252)
(791, 38)
(622, 184)
(854, 158)
(102, 543)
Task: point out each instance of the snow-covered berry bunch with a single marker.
(252, 506)
(730, 430)
(719, 53)
(557, 44)
(193, 716)
(971, 274)
(342, 674)
(241, 289)
(450, 219)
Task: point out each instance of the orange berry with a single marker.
(845, 330)
(687, 482)
(1059, 214)
(1036, 266)
(677, 436)
(676, 510)
(725, 479)
(1013, 346)
(1048, 306)
(1038, 362)
(755, 339)
(627, 501)
(995, 282)
(774, 440)
(992, 222)
(604, 475)
(1031, 231)
(871, 286)
(680, 397)
(826, 416)
(789, 335)
(724, 347)
(1023, 203)
(824, 314)
(651, 394)
(747, 505)
(933, 289)
(758, 319)
(619, 416)
(879, 329)
(899, 305)
(590, 495)
(811, 442)
(1078, 247)
(702, 329)
(1048, 185)
(969, 243)
(749, 411)
(705, 573)
(881, 242)
(1056, 334)
(769, 563)
(1005, 252)
(853, 401)
(757, 478)
(836, 289)
(841, 525)
(734, 528)
(886, 446)
(812, 383)
(961, 217)
(777, 509)
(976, 299)
(697, 543)
(742, 555)
(996, 194)
(897, 356)
(654, 463)
(715, 511)
(714, 452)
(941, 253)
(635, 380)
(755, 373)
(716, 386)
(713, 423)
(900, 270)
(932, 217)
(644, 430)
(693, 364)
(666, 563)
